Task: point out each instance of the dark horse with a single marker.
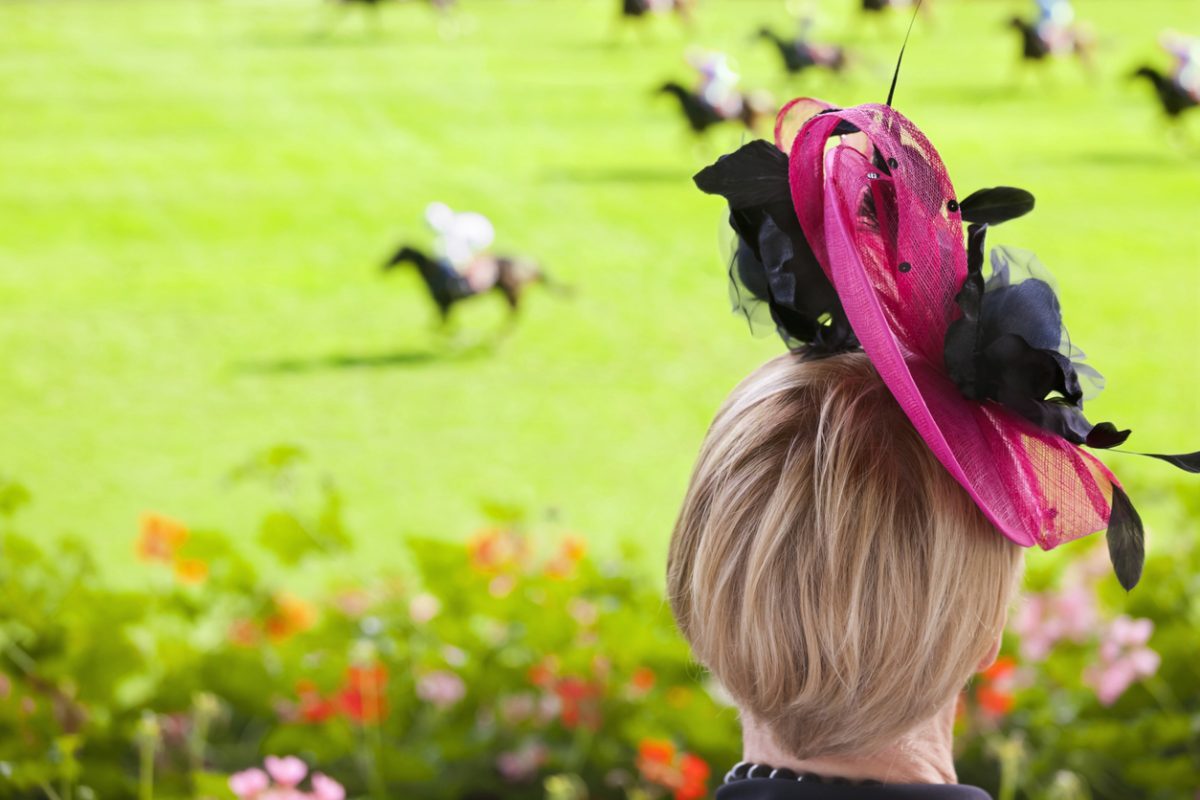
(1035, 48)
(1173, 98)
(447, 286)
(798, 54)
(372, 6)
(701, 115)
(637, 9)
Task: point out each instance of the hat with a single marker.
(851, 236)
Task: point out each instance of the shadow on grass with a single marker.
(615, 175)
(400, 358)
(1135, 158)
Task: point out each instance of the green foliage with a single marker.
(516, 664)
(1062, 741)
(516, 649)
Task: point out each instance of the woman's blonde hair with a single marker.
(826, 568)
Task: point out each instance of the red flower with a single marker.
(580, 703)
(683, 773)
(362, 697)
(693, 772)
(994, 694)
(313, 707)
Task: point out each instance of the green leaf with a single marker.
(286, 537)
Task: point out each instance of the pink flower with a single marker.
(517, 708)
(441, 688)
(326, 788)
(585, 613)
(423, 608)
(501, 586)
(248, 783)
(283, 793)
(1045, 619)
(287, 771)
(518, 766)
(1124, 658)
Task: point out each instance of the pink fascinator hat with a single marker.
(850, 236)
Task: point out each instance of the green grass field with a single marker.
(197, 194)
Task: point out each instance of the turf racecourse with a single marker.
(196, 197)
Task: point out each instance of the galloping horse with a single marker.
(1036, 48)
(800, 54)
(372, 7)
(1173, 98)
(702, 115)
(640, 9)
(447, 286)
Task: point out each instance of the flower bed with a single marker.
(514, 666)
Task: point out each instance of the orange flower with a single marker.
(656, 751)
(573, 548)
(159, 537)
(542, 673)
(642, 680)
(243, 633)
(363, 696)
(190, 570)
(495, 549)
(292, 615)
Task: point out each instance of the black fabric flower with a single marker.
(1010, 345)
(773, 263)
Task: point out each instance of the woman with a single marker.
(851, 537)
(837, 581)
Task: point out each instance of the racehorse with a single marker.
(1035, 48)
(702, 115)
(799, 54)
(447, 286)
(1173, 98)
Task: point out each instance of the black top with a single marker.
(773, 789)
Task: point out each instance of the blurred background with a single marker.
(260, 499)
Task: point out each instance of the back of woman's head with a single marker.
(826, 568)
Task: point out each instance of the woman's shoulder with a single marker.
(767, 789)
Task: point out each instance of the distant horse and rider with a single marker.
(1178, 90)
(1054, 32)
(716, 98)
(641, 10)
(372, 8)
(461, 266)
(801, 53)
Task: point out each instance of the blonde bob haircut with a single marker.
(835, 579)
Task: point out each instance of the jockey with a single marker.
(1054, 23)
(718, 82)
(461, 239)
(1186, 51)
